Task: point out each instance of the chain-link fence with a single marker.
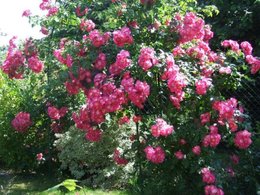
(249, 96)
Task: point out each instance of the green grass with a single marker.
(32, 184)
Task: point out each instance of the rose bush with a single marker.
(151, 62)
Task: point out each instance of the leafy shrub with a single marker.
(93, 162)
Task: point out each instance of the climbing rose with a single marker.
(122, 37)
(123, 120)
(205, 118)
(213, 190)
(21, 122)
(207, 176)
(122, 62)
(161, 128)
(196, 150)
(97, 39)
(155, 155)
(136, 119)
(44, 30)
(39, 156)
(87, 25)
(26, 13)
(93, 135)
(202, 86)
(35, 64)
(119, 160)
(243, 139)
(230, 43)
(147, 58)
(179, 155)
(55, 113)
(246, 48)
(100, 62)
(211, 139)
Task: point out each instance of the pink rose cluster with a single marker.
(21, 122)
(226, 110)
(147, 58)
(118, 159)
(155, 155)
(179, 155)
(138, 91)
(123, 120)
(205, 118)
(103, 99)
(87, 25)
(122, 37)
(192, 27)
(213, 138)
(58, 54)
(213, 190)
(46, 5)
(55, 113)
(100, 62)
(202, 86)
(83, 121)
(247, 49)
(176, 82)
(122, 62)
(93, 135)
(243, 139)
(97, 39)
(232, 44)
(74, 85)
(15, 62)
(161, 128)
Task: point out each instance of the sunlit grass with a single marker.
(38, 185)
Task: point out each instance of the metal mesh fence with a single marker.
(249, 95)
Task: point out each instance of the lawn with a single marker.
(18, 183)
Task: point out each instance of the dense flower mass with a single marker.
(226, 110)
(21, 122)
(193, 27)
(55, 113)
(147, 58)
(135, 82)
(202, 86)
(232, 44)
(98, 39)
(87, 25)
(122, 37)
(122, 62)
(212, 139)
(35, 64)
(155, 155)
(176, 82)
(137, 92)
(196, 150)
(100, 62)
(161, 128)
